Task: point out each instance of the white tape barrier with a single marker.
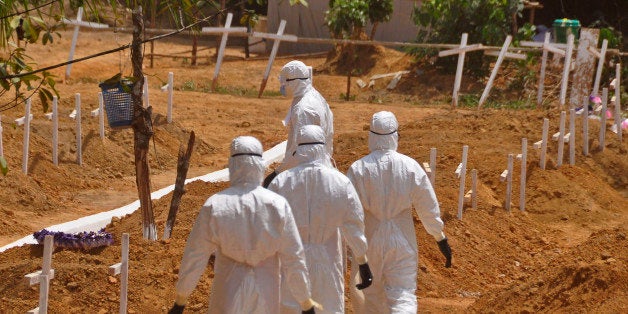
(98, 221)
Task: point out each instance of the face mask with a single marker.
(282, 90)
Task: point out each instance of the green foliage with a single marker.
(614, 37)
(346, 18)
(3, 166)
(443, 21)
(380, 10)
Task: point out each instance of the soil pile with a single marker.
(566, 252)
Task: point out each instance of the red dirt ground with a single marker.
(567, 252)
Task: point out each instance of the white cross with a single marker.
(547, 48)
(77, 24)
(500, 59)
(277, 38)
(461, 53)
(223, 43)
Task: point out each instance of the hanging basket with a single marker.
(118, 105)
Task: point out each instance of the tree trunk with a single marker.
(179, 186)
(142, 130)
(194, 48)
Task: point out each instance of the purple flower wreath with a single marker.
(82, 240)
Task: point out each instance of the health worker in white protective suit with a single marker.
(325, 207)
(252, 233)
(389, 185)
(308, 107)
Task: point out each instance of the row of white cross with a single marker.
(47, 273)
(225, 31)
(76, 115)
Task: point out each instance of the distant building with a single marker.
(310, 22)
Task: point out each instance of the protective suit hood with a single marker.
(246, 166)
(295, 79)
(383, 133)
(311, 144)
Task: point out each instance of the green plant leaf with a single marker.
(4, 168)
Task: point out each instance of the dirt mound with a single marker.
(565, 252)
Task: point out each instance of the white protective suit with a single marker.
(325, 207)
(251, 230)
(389, 185)
(308, 107)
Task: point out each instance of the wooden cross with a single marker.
(462, 174)
(547, 48)
(122, 269)
(77, 24)
(277, 38)
(43, 276)
(460, 51)
(600, 55)
(225, 31)
(503, 53)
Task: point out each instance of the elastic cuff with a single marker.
(361, 260)
(308, 304)
(440, 237)
(180, 299)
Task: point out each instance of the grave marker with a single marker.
(77, 24)
(500, 58)
(225, 31)
(462, 174)
(277, 38)
(460, 51)
(122, 269)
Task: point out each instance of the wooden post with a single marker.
(618, 120)
(27, 130)
(547, 48)
(101, 116)
(603, 121)
(566, 70)
(524, 164)
(509, 182)
(142, 130)
(458, 79)
(146, 101)
(544, 142)
(79, 17)
(500, 58)
(539, 94)
(223, 42)
(79, 151)
(122, 269)
(170, 96)
(277, 39)
(572, 136)
(600, 67)
(474, 187)
(561, 142)
(179, 187)
(1, 147)
(463, 172)
(55, 131)
(585, 126)
(77, 24)
(43, 276)
(433, 165)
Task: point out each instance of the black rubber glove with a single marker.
(310, 311)
(269, 179)
(365, 276)
(446, 250)
(176, 309)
